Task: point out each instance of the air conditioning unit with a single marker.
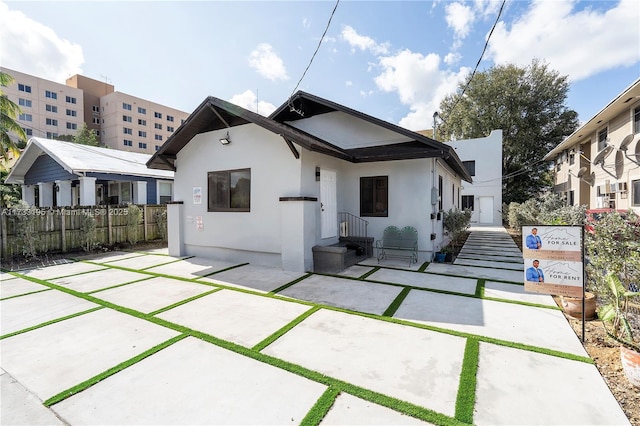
(613, 188)
(622, 186)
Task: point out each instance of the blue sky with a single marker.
(394, 60)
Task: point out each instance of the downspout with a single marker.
(433, 212)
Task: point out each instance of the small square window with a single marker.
(229, 191)
(142, 145)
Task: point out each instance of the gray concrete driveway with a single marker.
(143, 338)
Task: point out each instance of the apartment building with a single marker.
(48, 109)
(121, 121)
(599, 164)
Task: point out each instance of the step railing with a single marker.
(354, 229)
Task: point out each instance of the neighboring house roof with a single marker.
(80, 159)
(216, 114)
(619, 104)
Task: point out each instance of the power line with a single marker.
(312, 58)
(486, 44)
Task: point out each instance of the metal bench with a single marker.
(398, 243)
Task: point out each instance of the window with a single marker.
(95, 108)
(24, 102)
(157, 114)
(52, 135)
(51, 108)
(51, 95)
(635, 190)
(157, 147)
(52, 122)
(28, 132)
(72, 113)
(72, 126)
(440, 193)
(128, 142)
(127, 131)
(24, 88)
(374, 196)
(142, 122)
(158, 126)
(126, 106)
(602, 139)
(98, 133)
(572, 159)
(164, 192)
(467, 202)
(570, 198)
(96, 120)
(126, 118)
(636, 120)
(70, 100)
(158, 137)
(169, 118)
(169, 128)
(229, 191)
(142, 133)
(25, 117)
(470, 166)
(142, 110)
(142, 145)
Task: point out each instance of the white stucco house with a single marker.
(267, 190)
(483, 159)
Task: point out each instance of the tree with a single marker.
(528, 104)
(86, 136)
(65, 138)
(8, 113)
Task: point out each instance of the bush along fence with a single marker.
(28, 230)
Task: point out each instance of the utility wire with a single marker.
(486, 44)
(312, 58)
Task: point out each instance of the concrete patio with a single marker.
(143, 338)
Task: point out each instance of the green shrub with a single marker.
(134, 218)
(89, 231)
(161, 219)
(457, 221)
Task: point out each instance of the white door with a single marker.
(486, 209)
(328, 204)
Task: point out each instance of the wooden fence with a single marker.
(59, 229)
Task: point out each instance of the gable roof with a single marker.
(582, 135)
(216, 114)
(80, 159)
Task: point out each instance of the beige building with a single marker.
(121, 121)
(48, 109)
(599, 164)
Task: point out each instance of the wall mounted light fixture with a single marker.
(225, 140)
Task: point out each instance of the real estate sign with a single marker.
(553, 261)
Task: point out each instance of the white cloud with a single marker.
(459, 17)
(248, 101)
(420, 83)
(452, 58)
(363, 42)
(348, 83)
(268, 63)
(30, 47)
(305, 23)
(575, 43)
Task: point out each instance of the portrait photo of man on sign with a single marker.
(533, 241)
(534, 273)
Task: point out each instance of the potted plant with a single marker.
(448, 251)
(613, 252)
(621, 329)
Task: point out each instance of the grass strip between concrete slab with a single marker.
(133, 255)
(290, 283)
(165, 263)
(44, 324)
(239, 265)
(182, 302)
(393, 307)
(466, 399)
(282, 331)
(480, 288)
(321, 407)
(366, 274)
(119, 285)
(104, 267)
(110, 372)
(24, 294)
(423, 267)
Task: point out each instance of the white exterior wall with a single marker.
(254, 236)
(487, 153)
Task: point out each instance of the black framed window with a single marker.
(470, 166)
(467, 202)
(374, 196)
(229, 191)
(602, 139)
(635, 193)
(636, 120)
(440, 193)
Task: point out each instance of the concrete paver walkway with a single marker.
(135, 338)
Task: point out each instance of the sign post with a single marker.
(554, 261)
